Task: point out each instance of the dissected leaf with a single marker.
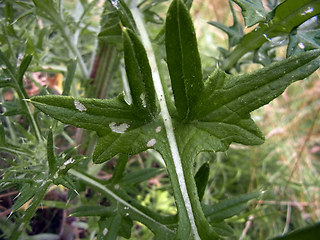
(252, 11)
(287, 16)
(235, 32)
(183, 59)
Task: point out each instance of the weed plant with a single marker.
(170, 117)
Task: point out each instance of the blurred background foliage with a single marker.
(286, 167)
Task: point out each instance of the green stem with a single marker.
(173, 160)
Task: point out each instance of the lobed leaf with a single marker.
(183, 59)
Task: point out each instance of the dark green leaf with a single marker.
(252, 11)
(307, 233)
(139, 74)
(183, 59)
(201, 179)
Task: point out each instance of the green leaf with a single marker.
(228, 207)
(125, 14)
(307, 233)
(141, 175)
(69, 78)
(139, 74)
(92, 210)
(252, 11)
(201, 179)
(12, 108)
(50, 154)
(2, 135)
(233, 97)
(119, 168)
(235, 32)
(183, 59)
(7, 67)
(301, 40)
(26, 193)
(93, 114)
(287, 16)
(130, 142)
(5, 82)
(25, 62)
(130, 208)
(223, 229)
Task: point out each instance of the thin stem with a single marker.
(167, 120)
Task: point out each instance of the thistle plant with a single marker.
(195, 115)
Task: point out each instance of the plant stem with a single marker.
(178, 173)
